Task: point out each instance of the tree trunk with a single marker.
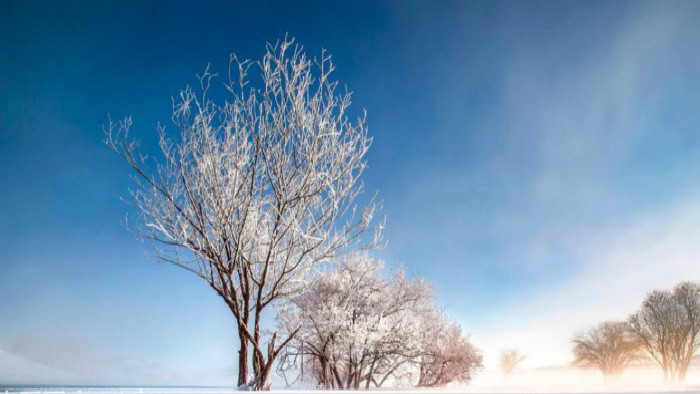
(242, 361)
(369, 375)
(262, 368)
(264, 376)
(421, 374)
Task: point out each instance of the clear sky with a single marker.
(539, 163)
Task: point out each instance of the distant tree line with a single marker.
(665, 329)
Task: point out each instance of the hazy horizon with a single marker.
(538, 163)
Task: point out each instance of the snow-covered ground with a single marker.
(559, 379)
(572, 380)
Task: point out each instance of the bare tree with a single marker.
(667, 325)
(255, 191)
(448, 355)
(509, 361)
(357, 328)
(609, 346)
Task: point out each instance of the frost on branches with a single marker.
(447, 355)
(361, 330)
(251, 193)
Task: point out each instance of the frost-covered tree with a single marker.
(510, 360)
(362, 330)
(609, 346)
(357, 328)
(251, 192)
(447, 355)
(668, 325)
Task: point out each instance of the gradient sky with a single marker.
(539, 163)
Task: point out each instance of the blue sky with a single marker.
(538, 162)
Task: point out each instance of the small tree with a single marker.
(448, 355)
(509, 361)
(609, 346)
(357, 328)
(361, 330)
(255, 191)
(668, 325)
